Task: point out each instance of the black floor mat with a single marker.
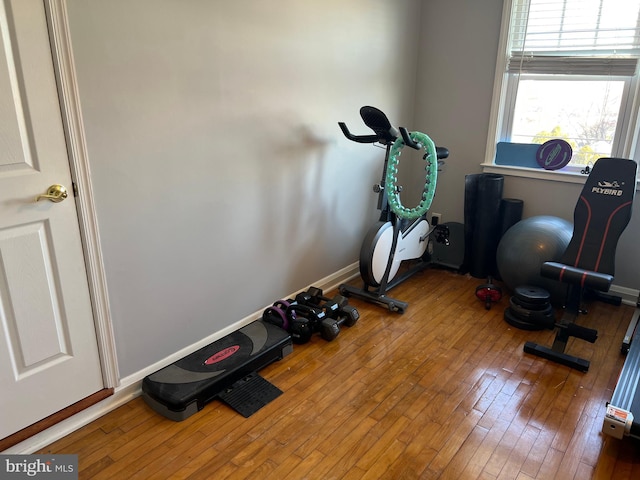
(250, 394)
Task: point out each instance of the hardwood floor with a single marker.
(442, 391)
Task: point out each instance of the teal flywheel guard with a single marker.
(391, 178)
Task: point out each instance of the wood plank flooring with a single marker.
(442, 391)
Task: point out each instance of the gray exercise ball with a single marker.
(526, 246)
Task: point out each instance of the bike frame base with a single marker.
(393, 304)
(378, 294)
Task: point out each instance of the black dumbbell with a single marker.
(336, 307)
(350, 315)
(304, 321)
(317, 297)
(331, 308)
(330, 327)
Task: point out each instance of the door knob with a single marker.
(55, 193)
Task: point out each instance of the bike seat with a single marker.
(377, 121)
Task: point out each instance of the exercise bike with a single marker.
(401, 234)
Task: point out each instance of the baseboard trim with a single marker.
(65, 427)
(130, 386)
(54, 419)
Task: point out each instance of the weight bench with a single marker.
(587, 265)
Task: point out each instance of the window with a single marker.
(568, 70)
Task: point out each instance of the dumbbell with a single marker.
(315, 295)
(304, 321)
(336, 307)
(330, 327)
(330, 307)
(346, 314)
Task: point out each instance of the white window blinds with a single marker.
(579, 37)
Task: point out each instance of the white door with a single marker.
(48, 349)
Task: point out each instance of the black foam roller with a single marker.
(487, 221)
(510, 214)
(470, 200)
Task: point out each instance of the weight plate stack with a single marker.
(530, 309)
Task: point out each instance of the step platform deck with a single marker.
(213, 372)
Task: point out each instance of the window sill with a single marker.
(538, 174)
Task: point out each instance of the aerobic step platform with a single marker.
(225, 370)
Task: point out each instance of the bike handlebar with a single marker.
(385, 132)
(357, 138)
(407, 139)
(441, 152)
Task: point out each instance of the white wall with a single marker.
(222, 180)
(458, 49)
